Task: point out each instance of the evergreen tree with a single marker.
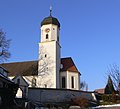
(109, 89)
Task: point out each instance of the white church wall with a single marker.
(76, 77)
(53, 32)
(49, 53)
(68, 75)
(48, 72)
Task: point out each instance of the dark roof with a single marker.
(22, 79)
(50, 20)
(31, 67)
(68, 65)
(22, 68)
(109, 89)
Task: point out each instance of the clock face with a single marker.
(47, 30)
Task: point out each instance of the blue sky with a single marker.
(90, 33)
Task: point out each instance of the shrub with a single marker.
(82, 102)
(109, 97)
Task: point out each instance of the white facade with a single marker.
(49, 56)
(53, 71)
(72, 80)
(50, 60)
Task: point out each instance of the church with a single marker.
(50, 70)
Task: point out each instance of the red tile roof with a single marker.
(30, 68)
(68, 65)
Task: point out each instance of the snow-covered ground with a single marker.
(115, 106)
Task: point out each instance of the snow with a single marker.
(115, 105)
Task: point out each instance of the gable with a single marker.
(68, 65)
(22, 80)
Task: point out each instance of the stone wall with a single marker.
(47, 95)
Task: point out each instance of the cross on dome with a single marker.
(50, 10)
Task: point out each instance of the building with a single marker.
(109, 88)
(50, 71)
(8, 88)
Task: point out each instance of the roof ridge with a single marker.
(30, 61)
(19, 62)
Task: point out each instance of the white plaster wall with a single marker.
(53, 33)
(51, 48)
(68, 76)
(48, 77)
(28, 79)
(76, 80)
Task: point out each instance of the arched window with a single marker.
(46, 36)
(33, 82)
(45, 55)
(63, 82)
(72, 81)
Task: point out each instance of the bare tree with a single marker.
(42, 69)
(4, 46)
(114, 72)
(84, 86)
(45, 68)
(45, 62)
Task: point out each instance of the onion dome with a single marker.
(50, 20)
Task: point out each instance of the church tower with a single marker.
(49, 53)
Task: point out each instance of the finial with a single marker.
(50, 10)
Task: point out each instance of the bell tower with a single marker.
(49, 53)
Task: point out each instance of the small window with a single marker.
(45, 55)
(72, 82)
(63, 82)
(46, 36)
(45, 85)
